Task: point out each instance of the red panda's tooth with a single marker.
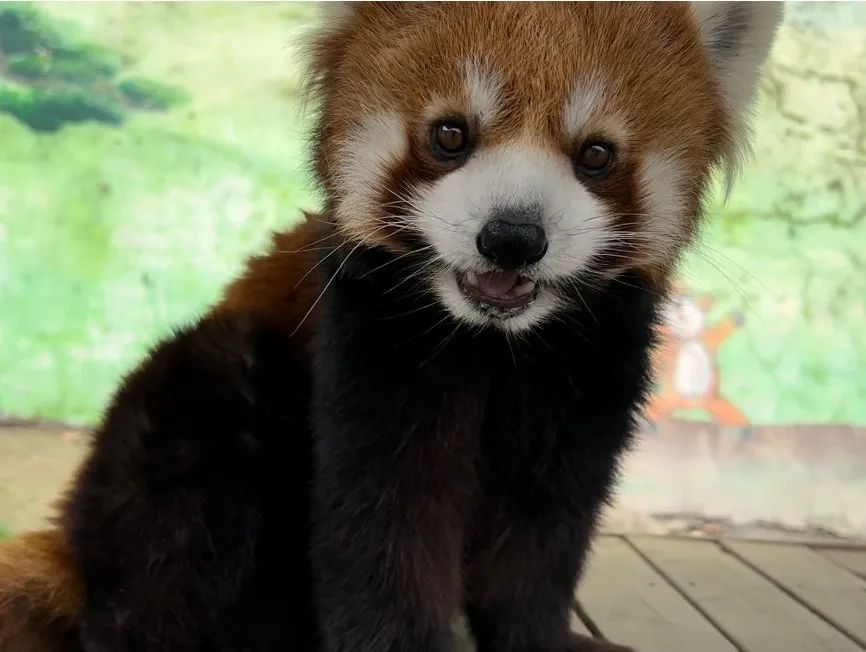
(523, 288)
(472, 279)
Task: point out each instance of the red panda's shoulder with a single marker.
(277, 286)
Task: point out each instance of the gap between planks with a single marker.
(851, 559)
(750, 609)
(627, 601)
(833, 593)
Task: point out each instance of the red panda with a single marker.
(426, 418)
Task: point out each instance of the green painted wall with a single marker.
(112, 232)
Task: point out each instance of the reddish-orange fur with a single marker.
(279, 285)
(41, 593)
(626, 46)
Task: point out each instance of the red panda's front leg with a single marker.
(524, 564)
(394, 472)
(554, 430)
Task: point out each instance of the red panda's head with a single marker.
(525, 148)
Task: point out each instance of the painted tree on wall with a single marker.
(50, 77)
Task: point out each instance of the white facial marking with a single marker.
(589, 106)
(366, 154)
(452, 212)
(664, 226)
(483, 90)
(584, 102)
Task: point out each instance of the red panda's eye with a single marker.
(594, 158)
(449, 139)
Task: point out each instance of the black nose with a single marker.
(512, 244)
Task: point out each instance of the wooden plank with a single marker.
(577, 625)
(463, 641)
(836, 594)
(852, 560)
(632, 604)
(750, 609)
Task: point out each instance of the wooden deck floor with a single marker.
(682, 595)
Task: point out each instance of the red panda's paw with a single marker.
(586, 644)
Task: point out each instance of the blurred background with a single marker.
(147, 149)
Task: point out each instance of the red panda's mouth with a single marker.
(502, 292)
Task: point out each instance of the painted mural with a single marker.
(146, 149)
(687, 368)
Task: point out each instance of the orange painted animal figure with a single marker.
(415, 404)
(686, 369)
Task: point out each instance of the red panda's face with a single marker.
(527, 149)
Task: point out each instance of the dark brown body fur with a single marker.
(453, 470)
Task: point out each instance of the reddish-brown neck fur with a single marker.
(282, 285)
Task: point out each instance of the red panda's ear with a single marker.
(737, 37)
(322, 48)
(336, 29)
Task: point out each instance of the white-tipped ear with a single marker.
(738, 36)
